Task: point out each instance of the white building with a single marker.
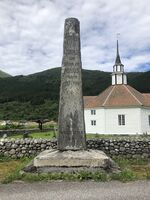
(120, 109)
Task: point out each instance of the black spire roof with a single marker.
(118, 60)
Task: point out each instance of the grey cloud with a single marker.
(31, 33)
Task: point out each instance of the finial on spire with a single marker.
(118, 60)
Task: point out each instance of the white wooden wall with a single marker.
(136, 121)
(145, 112)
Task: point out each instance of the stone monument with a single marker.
(71, 115)
(71, 154)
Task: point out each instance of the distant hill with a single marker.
(140, 81)
(37, 95)
(4, 74)
(34, 87)
(45, 85)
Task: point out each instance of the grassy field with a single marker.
(9, 168)
(111, 136)
(52, 134)
(131, 170)
(26, 125)
(46, 135)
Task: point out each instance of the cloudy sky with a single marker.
(31, 33)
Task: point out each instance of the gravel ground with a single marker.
(139, 190)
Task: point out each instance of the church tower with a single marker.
(118, 75)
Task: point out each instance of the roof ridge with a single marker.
(104, 90)
(90, 96)
(108, 96)
(133, 95)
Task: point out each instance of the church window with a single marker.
(93, 122)
(121, 120)
(93, 112)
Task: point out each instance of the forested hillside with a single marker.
(36, 96)
(4, 74)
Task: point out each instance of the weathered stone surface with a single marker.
(71, 116)
(74, 159)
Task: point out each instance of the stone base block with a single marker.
(55, 160)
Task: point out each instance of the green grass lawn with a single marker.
(131, 170)
(46, 135)
(52, 134)
(111, 136)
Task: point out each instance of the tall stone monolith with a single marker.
(71, 114)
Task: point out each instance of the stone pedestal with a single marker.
(69, 161)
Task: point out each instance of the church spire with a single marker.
(118, 75)
(118, 60)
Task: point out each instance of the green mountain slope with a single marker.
(45, 85)
(36, 95)
(36, 87)
(141, 82)
(4, 74)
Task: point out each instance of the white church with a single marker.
(120, 109)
